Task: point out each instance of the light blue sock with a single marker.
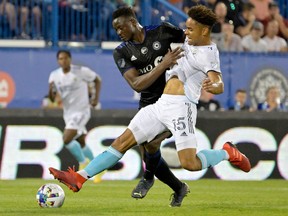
(87, 152)
(103, 161)
(210, 158)
(75, 149)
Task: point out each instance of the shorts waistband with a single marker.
(176, 98)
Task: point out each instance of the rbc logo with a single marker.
(7, 89)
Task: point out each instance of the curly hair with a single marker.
(123, 11)
(203, 15)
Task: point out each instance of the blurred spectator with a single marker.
(228, 41)
(206, 102)
(221, 12)
(253, 41)
(240, 99)
(261, 8)
(7, 19)
(177, 3)
(274, 13)
(234, 7)
(245, 19)
(187, 4)
(137, 9)
(232, 41)
(274, 42)
(30, 17)
(120, 3)
(211, 4)
(272, 101)
(73, 16)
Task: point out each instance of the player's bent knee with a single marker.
(66, 140)
(152, 148)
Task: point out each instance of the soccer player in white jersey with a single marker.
(71, 83)
(175, 110)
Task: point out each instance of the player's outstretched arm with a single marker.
(97, 86)
(141, 82)
(52, 91)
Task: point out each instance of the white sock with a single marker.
(83, 173)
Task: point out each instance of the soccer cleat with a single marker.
(236, 158)
(140, 191)
(177, 198)
(70, 178)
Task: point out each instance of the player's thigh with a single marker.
(69, 135)
(155, 144)
(146, 125)
(180, 120)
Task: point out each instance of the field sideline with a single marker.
(207, 197)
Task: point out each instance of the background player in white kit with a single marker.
(175, 110)
(71, 83)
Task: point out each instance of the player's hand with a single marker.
(252, 18)
(209, 86)
(53, 88)
(93, 103)
(212, 87)
(171, 57)
(278, 18)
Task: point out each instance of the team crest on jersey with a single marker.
(157, 60)
(121, 63)
(264, 79)
(144, 50)
(133, 58)
(156, 45)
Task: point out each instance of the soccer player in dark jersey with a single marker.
(175, 110)
(140, 59)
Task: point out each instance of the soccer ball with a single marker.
(50, 196)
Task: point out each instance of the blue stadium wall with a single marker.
(29, 70)
(31, 141)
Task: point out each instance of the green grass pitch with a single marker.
(207, 197)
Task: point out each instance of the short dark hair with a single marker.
(63, 51)
(241, 91)
(248, 6)
(203, 15)
(123, 11)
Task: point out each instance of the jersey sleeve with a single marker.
(176, 34)
(122, 62)
(51, 77)
(210, 61)
(88, 75)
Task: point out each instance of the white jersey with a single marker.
(73, 88)
(192, 68)
(275, 44)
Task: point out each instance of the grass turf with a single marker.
(207, 197)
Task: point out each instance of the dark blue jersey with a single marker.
(147, 55)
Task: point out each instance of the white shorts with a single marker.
(173, 112)
(77, 121)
